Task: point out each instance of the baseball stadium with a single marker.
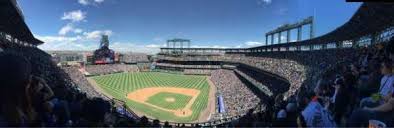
(313, 64)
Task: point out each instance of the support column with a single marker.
(272, 38)
(168, 44)
(279, 37)
(288, 36)
(266, 40)
(299, 33)
(311, 31)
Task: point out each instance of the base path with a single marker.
(211, 107)
(142, 95)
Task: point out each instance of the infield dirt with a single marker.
(142, 95)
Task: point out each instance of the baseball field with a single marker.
(163, 96)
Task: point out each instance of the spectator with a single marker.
(238, 98)
(385, 88)
(340, 99)
(384, 113)
(94, 112)
(316, 113)
(301, 121)
(16, 108)
(281, 119)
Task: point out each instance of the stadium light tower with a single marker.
(287, 28)
(178, 44)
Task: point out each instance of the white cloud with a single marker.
(153, 46)
(247, 44)
(98, 1)
(253, 43)
(97, 34)
(88, 2)
(65, 29)
(65, 43)
(69, 28)
(81, 43)
(87, 41)
(267, 1)
(78, 30)
(58, 38)
(264, 2)
(83, 2)
(134, 47)
(74, 16)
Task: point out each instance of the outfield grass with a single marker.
(119, 85)
(160, 100)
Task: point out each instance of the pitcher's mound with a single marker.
(170, 99)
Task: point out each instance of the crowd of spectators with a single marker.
(197, 71)
(110, 68)
(35, 92)
(191, 58)
(256, 82)
(289, 69)
(356, 90)
(79, 80)
(293, 71)
(238, 98)
(134, 58)
(310, 64)
(188, 66)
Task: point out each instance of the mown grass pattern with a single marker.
(119, 85)
(159, 100)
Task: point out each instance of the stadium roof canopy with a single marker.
(12, 23)
(369, 18)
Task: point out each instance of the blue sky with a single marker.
(145, 25)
